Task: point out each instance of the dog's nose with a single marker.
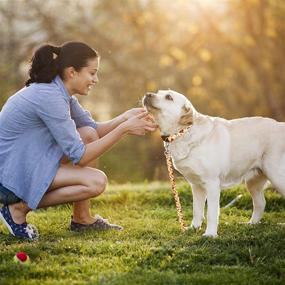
(147, 98)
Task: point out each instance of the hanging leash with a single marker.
(168, 140)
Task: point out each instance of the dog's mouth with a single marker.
(147, 102)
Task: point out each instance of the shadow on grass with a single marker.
(255, 255)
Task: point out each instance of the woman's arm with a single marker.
(95, 149)
(104, 128)
(80, 116)
(136, 125)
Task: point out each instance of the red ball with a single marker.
(22, 256)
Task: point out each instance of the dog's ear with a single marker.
(187, 118)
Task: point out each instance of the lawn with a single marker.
(151, 249)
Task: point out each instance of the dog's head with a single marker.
(172, 111)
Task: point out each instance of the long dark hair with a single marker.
(49, 61)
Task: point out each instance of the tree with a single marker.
(227, 57)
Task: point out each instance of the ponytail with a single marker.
(50, 61)
(44, 65)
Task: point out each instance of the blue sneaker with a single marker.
(26, 231)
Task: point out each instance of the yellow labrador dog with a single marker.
(215, 153)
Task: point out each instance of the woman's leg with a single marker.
(19, 212)
(71, 184)
(74, 183)
(81, 209)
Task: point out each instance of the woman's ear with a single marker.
(69, 72)
(187, 118)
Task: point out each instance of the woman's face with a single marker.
(82, 81)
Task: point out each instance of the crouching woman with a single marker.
(43, 127)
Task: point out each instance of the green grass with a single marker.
(151, 249)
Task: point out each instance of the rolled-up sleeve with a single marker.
(81, 116)
(55, 114)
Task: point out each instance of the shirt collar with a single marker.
(58, 81)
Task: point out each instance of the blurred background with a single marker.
(226, 56)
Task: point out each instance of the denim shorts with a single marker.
(7, 197)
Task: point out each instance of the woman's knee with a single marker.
(97, 183)
(88, 134)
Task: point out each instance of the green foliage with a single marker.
(151, 249)
(226, 56)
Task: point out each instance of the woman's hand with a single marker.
(139, 124)
(132, 112)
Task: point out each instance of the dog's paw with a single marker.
(196, 224)
(250, 223)
(210, 235)
(193, 228)
(253, 222)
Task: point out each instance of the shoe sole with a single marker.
(94, 229)
(6, 224)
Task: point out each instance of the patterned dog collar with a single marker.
(171, 138)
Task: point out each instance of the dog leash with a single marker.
(168, 140)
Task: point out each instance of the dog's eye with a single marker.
(168, 97)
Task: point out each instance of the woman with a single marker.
(43, 126)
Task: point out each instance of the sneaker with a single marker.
(99, 225)
(26, 231)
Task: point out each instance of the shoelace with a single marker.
(98, 217)
(106, 224)
(31, 231)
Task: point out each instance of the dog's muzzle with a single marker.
(147, 100)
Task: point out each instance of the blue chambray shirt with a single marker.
(37, 126)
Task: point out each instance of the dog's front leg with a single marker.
(213, 202)
(199, 198)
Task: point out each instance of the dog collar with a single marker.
(171, 138)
